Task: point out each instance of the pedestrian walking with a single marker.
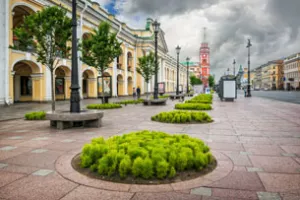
(138, 91)
(134, 93)
(245, 91)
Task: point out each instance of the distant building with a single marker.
(292, 72)
(205, 59)
(272, 75)
(257, 78)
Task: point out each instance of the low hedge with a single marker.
(146, 155)
(198, 101)
(203, 97)
(40, 115)
(182, 117)
(193, 106)
(130, 101)
(103, 106)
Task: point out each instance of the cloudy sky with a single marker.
(272, 25)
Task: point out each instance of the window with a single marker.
(26, 85)
(59, 86)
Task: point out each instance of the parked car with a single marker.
(257, 88)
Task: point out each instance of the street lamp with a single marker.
(187, 75)
(248, 46)
(233, 67)
(75, 98)
(156, 30)
(177, 51)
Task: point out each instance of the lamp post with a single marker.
(177, 51)
(233, 67)
(156, 30)
(187, 75)
(75, 98)
(248, 90)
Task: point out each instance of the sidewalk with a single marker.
(18, 110)
(256, 142)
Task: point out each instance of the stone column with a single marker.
(125, 86)
(4, 55)
(134, 68)
(114, 78)
(48, 96)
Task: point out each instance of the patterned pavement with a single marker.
(256, 141)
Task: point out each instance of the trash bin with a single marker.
(105, 99)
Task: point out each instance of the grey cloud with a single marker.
(168, 7)
(272, 25)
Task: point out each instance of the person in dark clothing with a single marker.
(138, 91)
(134, 93)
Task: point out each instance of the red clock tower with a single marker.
(204, 59)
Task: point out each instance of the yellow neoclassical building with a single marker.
(23, 79)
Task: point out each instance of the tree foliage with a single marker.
(211, 81)
(195, 81)
(147, 66)
(100, 49)
(46, 32)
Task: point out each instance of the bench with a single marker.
(64, 119)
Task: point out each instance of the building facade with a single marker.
(291, 70)
(24, 79)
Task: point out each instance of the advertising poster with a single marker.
(107, 87)
(161, 88)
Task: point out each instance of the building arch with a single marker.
(19, 12)
(62, 82)
(120, 82)
(130, 85)
(26, 81)
(88, 83)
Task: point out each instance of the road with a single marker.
(292, 97)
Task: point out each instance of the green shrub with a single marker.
(172, 172)
(182, 117)
(40, 115)
(201, 98)
(104, 106)
(199, 101)
(193, 106)
(125, 167)
(162, 169)
(145, 154)
(147, 170)
(130, 101)
(137, 167)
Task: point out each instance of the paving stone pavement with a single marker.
(260, 137)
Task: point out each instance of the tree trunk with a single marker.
(102, 72)
(52, 91)
(147, 93)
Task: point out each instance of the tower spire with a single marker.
(204, 34)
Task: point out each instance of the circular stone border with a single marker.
(64, 167)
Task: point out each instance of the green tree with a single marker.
(47, 33)
(211, 81)
(147, 67)
(100, 49)
(195, 81)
